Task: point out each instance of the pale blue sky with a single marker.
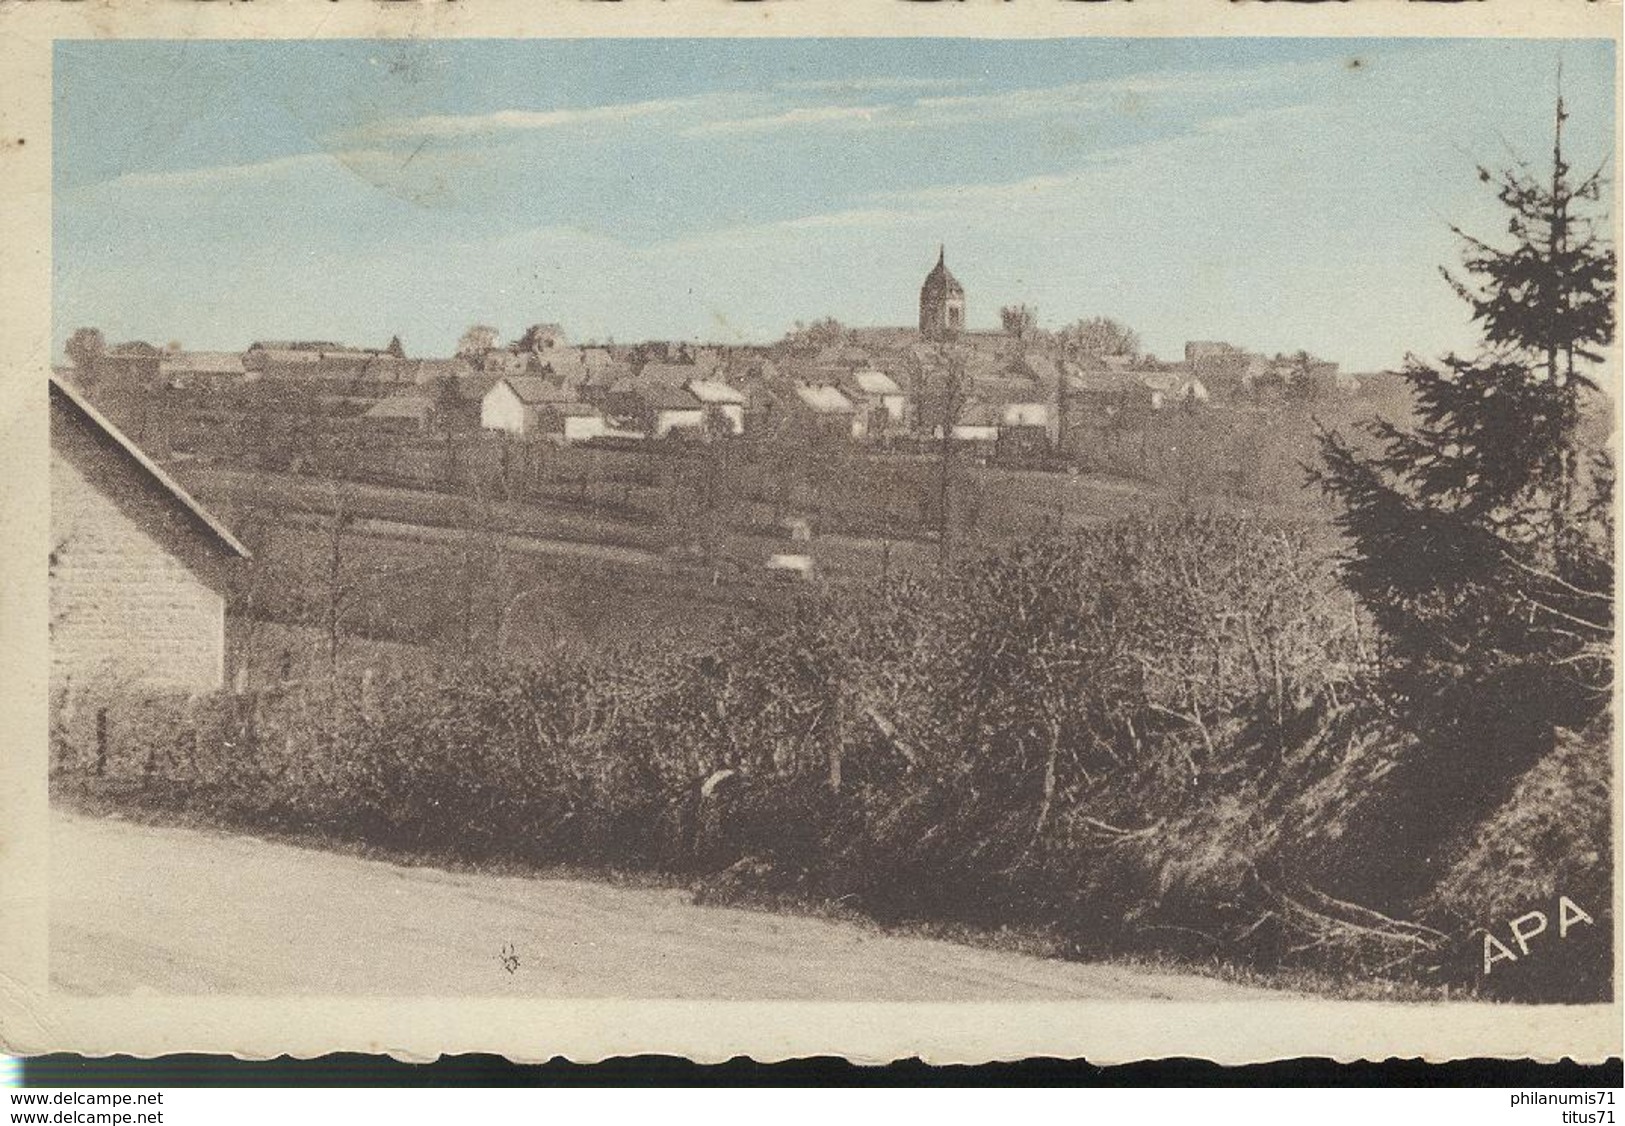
(1275, 193)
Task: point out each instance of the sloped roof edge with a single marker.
(150, 467)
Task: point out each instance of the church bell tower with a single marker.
(942, 302)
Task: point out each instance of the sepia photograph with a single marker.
(829, 519)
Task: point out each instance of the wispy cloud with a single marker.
(1146, 159)
(793, 118)
(872, 83)
(852, 218)
(224, 174)
(999, 192)
(446, 126)
(1133, 93)
(1098, 95)
(375, 152)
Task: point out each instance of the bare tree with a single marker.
(450, 416)
(1019, 320)
(482, 566)
(715, 496)
(536, 337)
(84, 348)
(1101, 336)
(476, 341)
(338, 593)
(950, 395)
(1063, 396)
(822, 332)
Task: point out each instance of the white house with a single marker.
(878, 396)
(828, 411)
(565, 423)
(724, 407)
(979, 422)
(512, 402)
(139, 570)
(883, 389)
(654, 411)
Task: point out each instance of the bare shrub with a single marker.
(1141, 737)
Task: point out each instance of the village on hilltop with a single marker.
(653, 478)
(1016, 392)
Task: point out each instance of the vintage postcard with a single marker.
(962, 531)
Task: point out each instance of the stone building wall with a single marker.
(125, 604)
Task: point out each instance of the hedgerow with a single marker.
(1142, 738)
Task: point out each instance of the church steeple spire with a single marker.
(942, 300)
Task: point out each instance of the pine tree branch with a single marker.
(1547, 576)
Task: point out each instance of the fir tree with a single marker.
(1481, 537)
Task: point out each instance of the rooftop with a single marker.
(65, 393)
(714, 391)
(821, 398)
(663, 397)
(673, 375)
(872, 382)
(534, 389)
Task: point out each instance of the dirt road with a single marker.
(142, 909)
